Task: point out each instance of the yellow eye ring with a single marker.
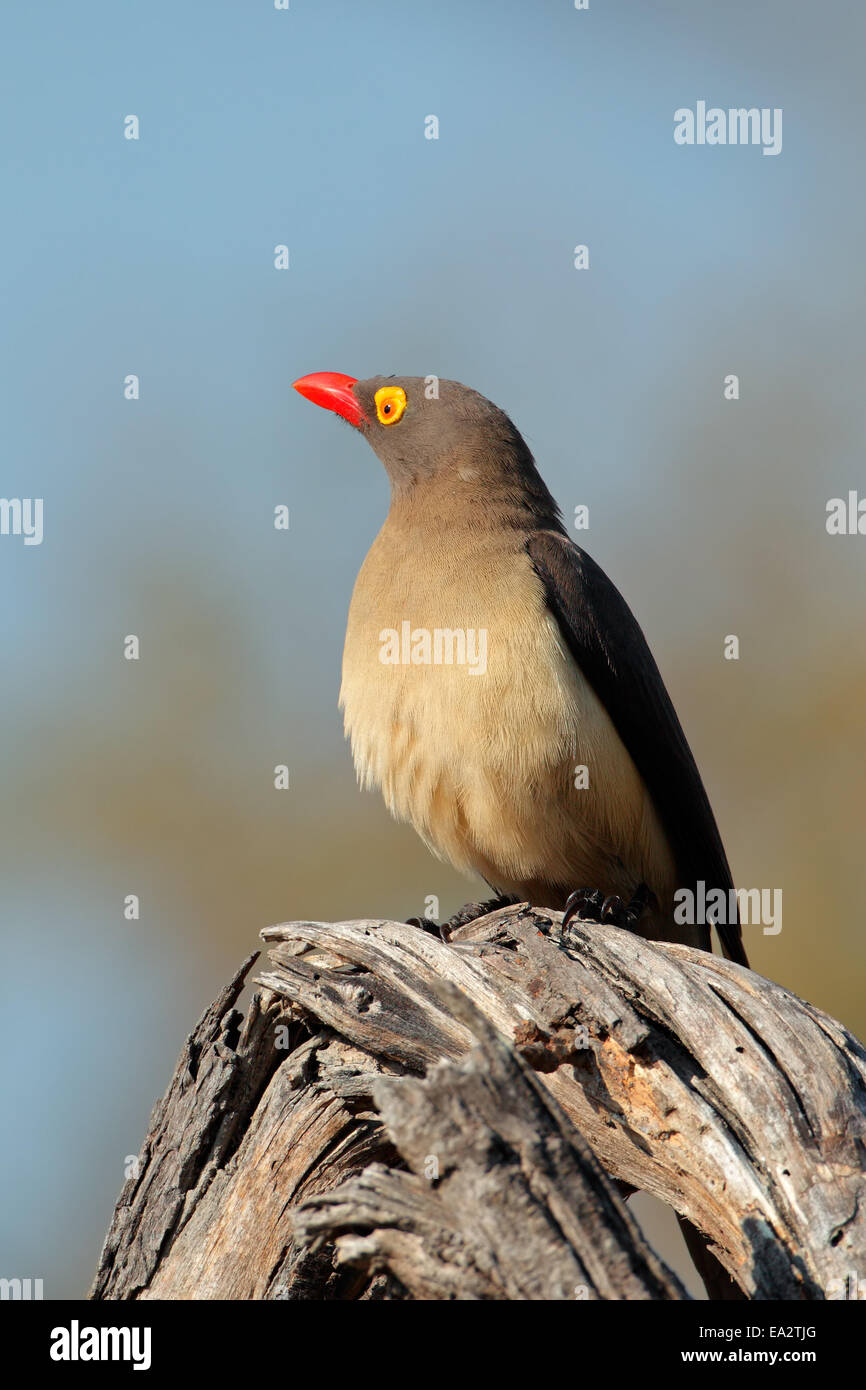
(390, 404)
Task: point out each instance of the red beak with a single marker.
(333, 391)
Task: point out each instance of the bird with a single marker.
(496, 686)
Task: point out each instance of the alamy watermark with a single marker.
(21, 1289)
(22, 516)
(439, 646)
(737, 126)
(77, 1343)
(754, 907)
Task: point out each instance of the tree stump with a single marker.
(398, 1117)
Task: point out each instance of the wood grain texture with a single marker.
(503, 1200)
(400, 1117)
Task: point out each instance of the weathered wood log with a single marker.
(291, 1156)
(504, 1199)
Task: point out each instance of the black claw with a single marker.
(584, 904)
(590, 905)
(573, 903)
(470, 912)
(428, 925)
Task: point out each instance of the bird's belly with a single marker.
(486, 763)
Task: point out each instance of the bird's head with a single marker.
(426, 428)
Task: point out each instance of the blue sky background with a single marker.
(411, 256)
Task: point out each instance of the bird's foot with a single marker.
(429, 925)
(469, 912)
(590, 905)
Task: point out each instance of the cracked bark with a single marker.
(400, 1118)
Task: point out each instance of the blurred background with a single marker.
(454, 257)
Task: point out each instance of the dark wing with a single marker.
(611, 651)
